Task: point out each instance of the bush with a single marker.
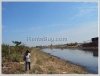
(15, 53)
(15, 57)
(5, 50)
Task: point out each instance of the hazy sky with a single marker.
(77, 21)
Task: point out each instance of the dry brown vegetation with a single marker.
(47, 64)
(43, 63)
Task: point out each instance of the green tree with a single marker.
(17, 43)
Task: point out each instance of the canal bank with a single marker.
(44, 63)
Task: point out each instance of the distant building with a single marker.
(95, 41)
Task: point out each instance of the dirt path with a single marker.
(33, 61)
(43, 63)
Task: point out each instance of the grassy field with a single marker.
(43, 63)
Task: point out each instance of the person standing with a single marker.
(27, 60)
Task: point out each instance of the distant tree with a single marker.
(17, 47)
(17, 43)
(75, 43)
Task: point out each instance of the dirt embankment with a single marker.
(43, 63)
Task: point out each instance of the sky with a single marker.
(76, 21)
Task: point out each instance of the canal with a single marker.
(88, 59)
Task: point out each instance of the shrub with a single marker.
(5, 50)
(15, 57)
(13, 53)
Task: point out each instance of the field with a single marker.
(41, 63)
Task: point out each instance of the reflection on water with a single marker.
(95, 53)
(86, 58)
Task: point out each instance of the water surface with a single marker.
(88, 59)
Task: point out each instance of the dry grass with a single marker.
(48, 64)
(43, 63)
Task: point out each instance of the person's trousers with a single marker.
(27, 65)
